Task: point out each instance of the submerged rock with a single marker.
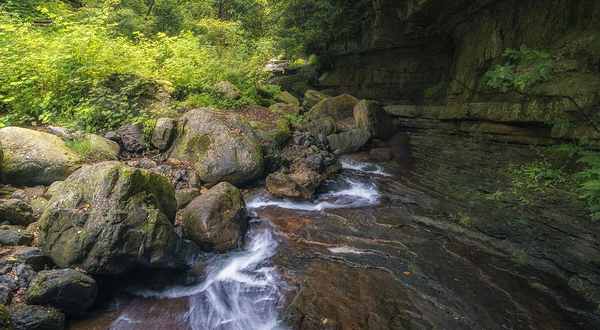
(349, 141)
(32, 157)
(37, 318)
(217, 151)
(371, 116)
(109, 218)
(216, 220)
(16, 212)
(66, 289)
(164, 132)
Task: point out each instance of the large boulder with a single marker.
(109, 218)
(349, 141)
(219, 148)
(66, 289)
(100, 148)
(338, 107)
(16, 212)
(216, 220)
(37, 318)
(32, 157)
(371, 116)
(164, 132)
(312, 98)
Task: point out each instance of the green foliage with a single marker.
(82, 71)
(538, 175)
(589, 180)
(434, 90)
(530, 68)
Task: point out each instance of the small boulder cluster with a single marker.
(91, 207)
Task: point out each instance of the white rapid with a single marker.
(241, 290)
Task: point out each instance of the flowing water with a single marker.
(242, 290)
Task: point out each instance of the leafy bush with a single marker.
(532, 67)
(589, 179)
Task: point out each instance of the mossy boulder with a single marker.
(312, 98)
(29, 317)
(220, 147)
(102, 149)
(5, 319)
(109, 218)
(16, 212)
(216, 220)
(371, 116)
(286, 98)
(338, 107)
(32, 157)
(66, 289)
(349, 141)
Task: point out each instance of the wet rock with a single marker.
(216, 151)
(37, 318)
(381, 154)
(5, 320)
(10, 282)
(32, 256)
(14, 235)
(5, 294)
(377, 143)
(33, 157)
(16, 212)
(286, 98)
(371, 116)
(216, 220)
(110, 218)
(312, 98)
(164, 132)
(337, 107)
(66, 289)
(132, 138)
(185, 196)
(280, 184)
(349, 141)
(227, 90)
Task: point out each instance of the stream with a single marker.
(242, 290)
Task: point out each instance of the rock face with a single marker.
(217, 220)
(37, 318)
(66, 289)
(349, 141)
(312, 98)
(32, 157)
(217, 151)
(16, 212)
(371, 116)
(338, 107)
(132, 138)
(280, 184)
(163, 134)
(109, 218)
